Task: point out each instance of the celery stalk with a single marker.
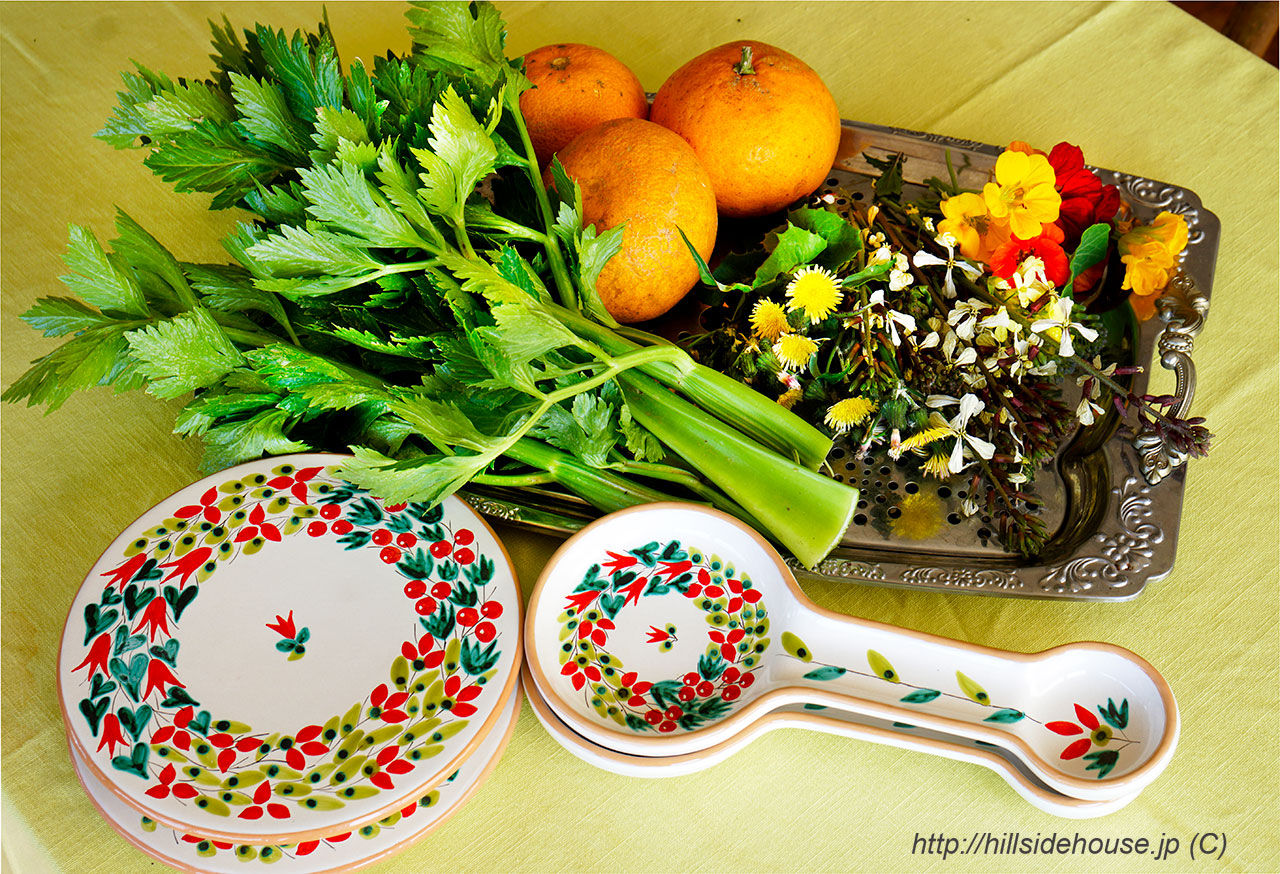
(805, 511)
(601, 489)
(725, 398)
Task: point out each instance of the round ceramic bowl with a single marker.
(828, 721)
(668, 628)
(343, 851)
(271, 655)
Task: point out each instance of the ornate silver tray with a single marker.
(1111, 497)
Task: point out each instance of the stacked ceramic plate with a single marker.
(273, 665)
(662, 639)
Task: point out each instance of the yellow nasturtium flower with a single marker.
(1023, 193)
(1150, 253)
(976, 231)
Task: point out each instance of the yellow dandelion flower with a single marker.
(794, 350)
(814, 290)
(921, 516)
(769, 320)
(938, 465)
(788, 398)
(920, 439)
(844, 414)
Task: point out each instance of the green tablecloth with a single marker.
(1140, 86)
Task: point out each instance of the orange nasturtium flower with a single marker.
(1150, 255)
(967, 219)
(1023, 193)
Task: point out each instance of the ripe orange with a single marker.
(634, 172)
(576, 88)
(765, 126)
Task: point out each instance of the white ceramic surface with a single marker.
(829, 721)
(343, 851)
(270, 626)
(669, 628)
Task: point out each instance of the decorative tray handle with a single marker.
(1183, 309)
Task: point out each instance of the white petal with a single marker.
(970, 406)
(982, 447)
(931, 339)
(968, 356)
(926, 259)
(956, 463)
(1088, 334)
(949, 344)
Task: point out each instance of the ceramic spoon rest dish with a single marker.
(836, 722)
(669, 628)
(271, 655)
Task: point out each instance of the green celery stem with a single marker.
(602, 489)
(805, 511)
(725, 398)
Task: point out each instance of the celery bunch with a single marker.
(408, 289)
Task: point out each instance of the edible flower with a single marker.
(1046, 247)
(1023, 193)
(928, 259)
(1150, 253)
(794, 350)
(970, 223)
(790, 398)
(843, 415)
(970, 406)
(769, 320)
(814, 290)
(1085, 200)
(1057, 325)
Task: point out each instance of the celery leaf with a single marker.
(265, 115)
(182, 354)
(101, 280)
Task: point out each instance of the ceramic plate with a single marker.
(271, 655)
(345, 851)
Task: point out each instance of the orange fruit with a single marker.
(576, 88)
(762, 122)
(635, 172)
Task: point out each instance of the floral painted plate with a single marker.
(343, 851)
(271, 655)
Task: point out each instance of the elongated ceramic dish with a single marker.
(827, 721)
(272, 626)
(668, 628)
(1112, 499)
(344, 851)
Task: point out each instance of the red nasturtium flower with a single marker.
(1085, 200)
(1047, 247)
